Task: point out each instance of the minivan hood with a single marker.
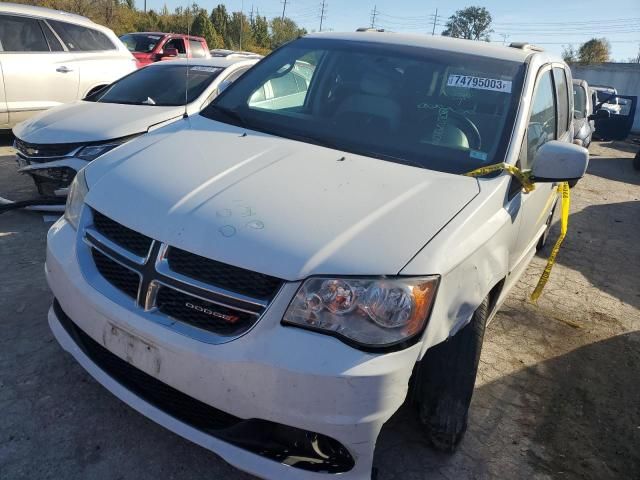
(82, 121)
(274, 205)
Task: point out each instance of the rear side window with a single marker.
(197, 50)
(542, 122)
(81, 39)
(562, 95)
(21, 34)
(579, 102)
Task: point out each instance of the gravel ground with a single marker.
(557, 396)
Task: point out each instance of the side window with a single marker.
(542, 122)
(236, 75)
(52, 40)
(21, 34)
(562, 96)
(579, 102)
(78, 38)
(197, 50)
(285, 85)
(178, 44)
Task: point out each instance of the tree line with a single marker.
(221, 28)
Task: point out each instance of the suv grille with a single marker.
(221, 275)
(43, 151)
(125, 237)
(211, 301)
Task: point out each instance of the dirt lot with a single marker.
(558, 394)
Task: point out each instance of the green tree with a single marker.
(202, 27)
(596, 50)
(283, 31)
(569, 54)
(239, 34)
(260, 29)
(472, 23)
(220, 20)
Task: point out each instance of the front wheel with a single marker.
(444, 382)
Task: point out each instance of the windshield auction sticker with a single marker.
(480, 83)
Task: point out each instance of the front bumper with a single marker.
(276, 374)
(52, 177)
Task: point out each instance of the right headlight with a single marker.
(75, 199)
(372, 313)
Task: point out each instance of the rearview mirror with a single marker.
(600, 114)
(559, 162)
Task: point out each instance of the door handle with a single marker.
(64, 69)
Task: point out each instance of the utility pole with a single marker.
(145, 6)
(251, 15)
(241, 24)
(435, 20)
(322, 13)
(284, 8)
(374, 14)
(504, 38)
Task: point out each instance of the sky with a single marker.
(548, 23)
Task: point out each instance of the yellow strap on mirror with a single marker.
(527, 184)
(524, 177)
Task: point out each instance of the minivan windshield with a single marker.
(436, 109)
(159, 85)
(140, 42)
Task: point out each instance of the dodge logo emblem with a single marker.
(211, 313)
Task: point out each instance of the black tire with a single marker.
(636, 161)
(444, 382)
(542, 241)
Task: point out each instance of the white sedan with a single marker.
(53, 145)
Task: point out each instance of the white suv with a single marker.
(48, 57)
(269, 279)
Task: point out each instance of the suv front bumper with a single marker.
(273, 374)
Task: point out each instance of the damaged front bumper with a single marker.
(277, 402)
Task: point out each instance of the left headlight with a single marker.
(371, 313)
(75, 199)
(91, 152)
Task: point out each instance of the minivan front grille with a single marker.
(205, 299)
(246, 282)
(203, 314)
(121, 277)
(124, 237)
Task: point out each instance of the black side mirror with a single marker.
(600, 114)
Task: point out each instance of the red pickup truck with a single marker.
(149, 47)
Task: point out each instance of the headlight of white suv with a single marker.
(75, 199)
(371, 313)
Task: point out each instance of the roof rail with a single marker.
(526, 46)
(368, 29)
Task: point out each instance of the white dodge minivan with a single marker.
(272, 277)
(49, 57)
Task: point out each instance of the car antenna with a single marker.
(186, 81)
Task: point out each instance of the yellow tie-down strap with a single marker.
(527, 184)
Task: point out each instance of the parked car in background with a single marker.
(607, 98)
(54, 145)
(270, 280)
(149, 47)
(222, 52)
(582, 109)
(48, 58)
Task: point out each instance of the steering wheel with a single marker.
(458, 120)
(469, 129)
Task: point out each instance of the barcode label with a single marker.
(467, 81)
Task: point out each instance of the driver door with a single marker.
(549, 119)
